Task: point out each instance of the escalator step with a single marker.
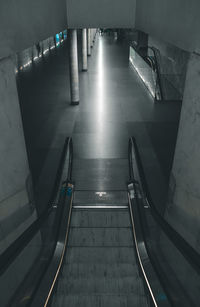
(100, 218)
(101, 285)
(100, 237)
(99, 270)
(100, 255)
(100, 301)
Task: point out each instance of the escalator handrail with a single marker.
(151, 62)
(154, 70)
(157, 69)
(189, 253)
(11, 253)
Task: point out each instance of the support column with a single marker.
(93, 34)
(88, 42)
(91, 38)
(84, 49)
(73, 63)
(183, 210)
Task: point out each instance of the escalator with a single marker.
(100, 266)
(152, 61)
(165, 89)
(101, 247)
(145, 62)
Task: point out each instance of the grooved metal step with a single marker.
(99, 207)
(100, 197)
(107, 300)
(100, 268)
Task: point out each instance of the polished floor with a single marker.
(114, 105)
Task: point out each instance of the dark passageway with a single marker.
(99, 153)
(100, 238)
(114, 106)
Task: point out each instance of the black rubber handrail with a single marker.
(157, 71)
(188, 252)
(152, 64)
(11, 253)
(45, 288)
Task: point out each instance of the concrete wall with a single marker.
(183, 209)
(12, 278)
(30, 55)
(101, 14)
(24, 23)
(177, 21)
(17, 209)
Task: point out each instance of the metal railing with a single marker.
(145, 209)
(43, 224)
(156, 68)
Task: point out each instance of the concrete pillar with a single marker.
(84, 49)
(73, 63)
(88, 42)
(95, 32)
(91, 38)
(93, 35)
(183, 210)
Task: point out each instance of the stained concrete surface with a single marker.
(183, 210)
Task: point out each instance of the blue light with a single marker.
(161, 297)
(65, 34)
(57, 39)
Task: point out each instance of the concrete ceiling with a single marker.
(25, 22)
